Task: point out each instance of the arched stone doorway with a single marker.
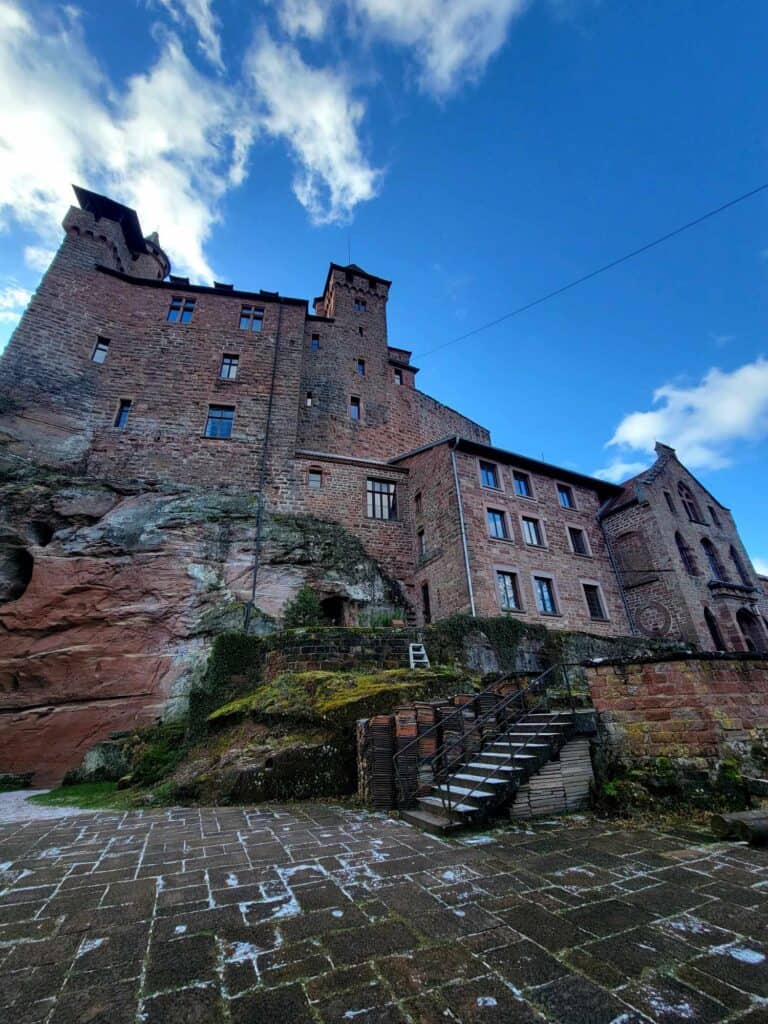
(751, 630)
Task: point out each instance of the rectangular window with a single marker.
(565, 494)
(229, 365)
(121, 420)
(545, 595)
(315, 342)
(251, 318)
(220, 420)
(422, 542)
(522, 485)
(509, 595)
(417, 503)
(382, 499)
(670, 503)
(308, 400)
(578, 541)
(361, 306)
(532, 532)
(360, 367)
(315, 479)
(489, 475)
(594, 601)
(398, 376)
(181, 310)
(354, 408)
(100, 350)
(715, 518)
(497, 524)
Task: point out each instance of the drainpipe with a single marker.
(262, 478)
(453, 445)
(618, 576)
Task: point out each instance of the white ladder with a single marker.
(417, 656)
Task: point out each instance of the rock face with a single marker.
(109, 599)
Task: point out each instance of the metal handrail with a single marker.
(532, 736)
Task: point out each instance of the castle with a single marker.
(124, 383)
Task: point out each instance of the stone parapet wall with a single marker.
(309, 650)
(687, 706)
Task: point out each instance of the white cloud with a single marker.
(200, 13)
(304, 17)
(703, 421)
(761, 565)
(313, 110)
(170, 143)
(619, 470)
(13, 301)
(38, 257)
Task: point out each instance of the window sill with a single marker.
(502, 540)
(538, 547)
(206, 437)
(551, 615)
(599, 618)
(227, 380)
(513, 611)
(582, 554)
(496, 490)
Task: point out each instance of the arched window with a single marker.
(686, 556)
(714, 631)
(750, 630)
(689, 503)
(741, 569)
(715, 565)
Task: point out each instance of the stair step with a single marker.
(480, 779)
(435, 801)
(463, 791)
(500, 768)
(509, 745)
(429, 822)
(507, 757)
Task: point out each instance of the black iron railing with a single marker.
(452, 752)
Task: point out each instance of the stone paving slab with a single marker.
(312, 913)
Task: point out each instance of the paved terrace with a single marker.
(315, 913)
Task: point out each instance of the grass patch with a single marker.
(89, 795)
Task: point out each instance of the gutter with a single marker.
(453, 443)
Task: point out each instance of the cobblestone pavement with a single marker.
(315, 913)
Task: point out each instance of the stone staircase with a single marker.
(485, 782)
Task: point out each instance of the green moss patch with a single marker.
(341, 697)
(88, 795)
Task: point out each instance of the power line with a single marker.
(594, 273)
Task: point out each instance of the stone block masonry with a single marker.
(691, 707)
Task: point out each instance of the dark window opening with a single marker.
(308, 400)
(689, 503)
(565, 495)
(497, 524)
(509, 594)
(594, 601)
(333, 610)
(741, 569)
(715, 565)
(229, 367)
(670, 503)
(181, 310)
(315, 479)
(251, 318)
(360, 368)
(545, 595)
(121, 420)
(220, 421)
(398, 376)
(522, 485)
(100, 350)
(686, 556)
(751, 630)
(417, 503)
(361, 306)
(489, 475)
(425, 603)
(532, 532)
(714, 631)
(578, 541)
(714, 516)
(315, 342)
(422, 542)
(354, 408)
(382, 499)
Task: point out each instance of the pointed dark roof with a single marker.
(109, 209)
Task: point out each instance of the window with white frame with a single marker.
(509, 592)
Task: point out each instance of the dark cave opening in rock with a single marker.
(41, 532)
(334, 609)
(16, 565)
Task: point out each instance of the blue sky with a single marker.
(477, 152)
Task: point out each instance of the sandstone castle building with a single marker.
(166, 449)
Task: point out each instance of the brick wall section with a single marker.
(685, 707)
(663, 597)
(556, 559)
